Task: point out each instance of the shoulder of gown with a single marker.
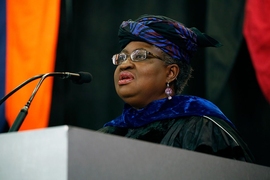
(204, 134)
(209, 135)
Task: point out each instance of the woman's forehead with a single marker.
(133, 45)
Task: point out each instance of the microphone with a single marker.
(78, 78)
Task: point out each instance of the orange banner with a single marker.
(32, 33)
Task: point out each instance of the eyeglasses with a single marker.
(135, 56)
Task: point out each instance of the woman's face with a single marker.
(139, 83)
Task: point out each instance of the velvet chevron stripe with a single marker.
(27, 49)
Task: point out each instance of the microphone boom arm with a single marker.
(19, 87)
(78, 78)
(24, 111)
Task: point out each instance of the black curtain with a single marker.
(88, 39)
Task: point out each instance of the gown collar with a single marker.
(163, 109)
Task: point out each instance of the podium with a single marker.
(72, 153)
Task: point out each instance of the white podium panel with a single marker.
(71, 153)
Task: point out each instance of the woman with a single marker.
(152, 70)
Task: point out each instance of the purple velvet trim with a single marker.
(163, 109)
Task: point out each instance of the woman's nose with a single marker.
(128, 63)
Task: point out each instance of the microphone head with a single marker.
(85, 77)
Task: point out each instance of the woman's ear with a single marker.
(172, 72)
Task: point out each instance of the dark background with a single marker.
(88, 39)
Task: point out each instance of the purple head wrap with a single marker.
(167, 34)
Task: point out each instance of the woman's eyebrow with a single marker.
(126, 51)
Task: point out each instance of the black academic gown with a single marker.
(205, 134)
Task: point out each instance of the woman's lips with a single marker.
(125, 77)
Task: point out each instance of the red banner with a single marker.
(257, 34)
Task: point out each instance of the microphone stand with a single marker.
(24, 111)
(19, 87)
(79, 78)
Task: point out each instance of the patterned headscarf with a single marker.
(167, 34)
